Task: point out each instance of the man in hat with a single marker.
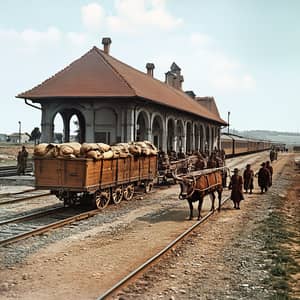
(264, 177)
(236, 186)
(248, 179)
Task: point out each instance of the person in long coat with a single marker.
(22, 161)
(248, 179)
(264, 178)
(236, 186)
(270, 168)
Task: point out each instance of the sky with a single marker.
(246, 54)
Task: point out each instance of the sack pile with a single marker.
(94, 150)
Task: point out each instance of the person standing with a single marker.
(270, 168)
(248, 179)
(22, 161)
(264, 178)
(236, 186)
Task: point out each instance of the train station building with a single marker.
(114, 102)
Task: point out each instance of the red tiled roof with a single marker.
(209, 103)
(97, 74)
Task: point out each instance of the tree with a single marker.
(35, 135)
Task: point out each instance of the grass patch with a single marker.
(275, 232)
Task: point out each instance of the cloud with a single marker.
(136, 15)
(199, 39)
(221, 71)
(130, 16)
(77, 38)
(93, 16)
(32, 37)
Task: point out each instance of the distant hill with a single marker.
(289, 138)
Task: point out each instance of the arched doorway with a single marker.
(141, 127)
(73, 126)
(157, 132)
(180, 136)
(189, 137)
(58, 129)
(207, 141)
(197, 138)
(74, 129)
(201, 138)
(170, 135)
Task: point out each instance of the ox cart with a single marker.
(196, 185)
(99, 181)
(176, 167)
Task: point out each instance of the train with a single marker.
(235, 145)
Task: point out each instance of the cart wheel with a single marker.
(148, 187)
(117, 194)
(72, 201)
(128, 192)
(101, 198)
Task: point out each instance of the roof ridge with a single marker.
(59, 72)
(100, 52)
(178, 92)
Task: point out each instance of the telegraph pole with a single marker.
(228, 115)
(19, 132)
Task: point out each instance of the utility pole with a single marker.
(19, 132)
(228, 115)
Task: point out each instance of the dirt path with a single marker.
(237, 254)
(85, 265)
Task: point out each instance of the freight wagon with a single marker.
(98, 181)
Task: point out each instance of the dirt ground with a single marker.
(227, 258)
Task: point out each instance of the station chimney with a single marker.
(150, 69)
(106, 41)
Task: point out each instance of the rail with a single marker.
(23, 199)
(13, 170)
(43, 229)
(155, 258)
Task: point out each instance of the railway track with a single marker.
(17, 197)
(23, 227)
(13, 170)
(135, 274)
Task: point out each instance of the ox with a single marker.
(195, 186)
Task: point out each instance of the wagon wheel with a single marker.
(117, 194)
(101, 198)
(148, 187)
(128, 192)
(72, 201)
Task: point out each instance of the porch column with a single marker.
(46, 126)
(183, 138)
(174, 143)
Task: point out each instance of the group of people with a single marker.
(246, 182)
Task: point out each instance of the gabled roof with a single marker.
(97, 74)
(209, 103)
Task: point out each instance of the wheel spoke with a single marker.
(117, 194)
(129, 192)
(101, 198)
